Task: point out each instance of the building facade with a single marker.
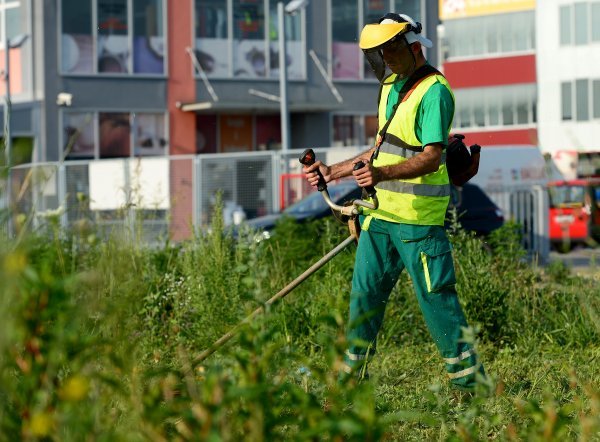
(101, 79)
(568, 58)
(488, 53)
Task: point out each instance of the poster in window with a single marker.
(212, 55)
(113, 36)
(78, 135)
(150, 136)
(114, 134)
(346, 60)
(77, 52)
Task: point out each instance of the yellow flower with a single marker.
(74, 389)
(40, 424)
(15, 263)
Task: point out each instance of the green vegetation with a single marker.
(98, 339)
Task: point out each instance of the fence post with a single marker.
(275, 173)
(195, 192)
(62, 195)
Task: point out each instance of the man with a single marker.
(407, 168)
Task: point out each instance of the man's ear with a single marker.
(415, 48)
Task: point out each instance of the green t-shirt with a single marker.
(434, 115)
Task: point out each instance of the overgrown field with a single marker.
(98, 340)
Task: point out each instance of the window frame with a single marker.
(130, 44)
(96, 121)
(266, 44)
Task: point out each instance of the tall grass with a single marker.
(98, 339)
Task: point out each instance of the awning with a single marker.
(251, 106)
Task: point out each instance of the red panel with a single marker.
(491, 71)
(181, 86)
(491, 138)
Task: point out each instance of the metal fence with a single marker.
(171, 196)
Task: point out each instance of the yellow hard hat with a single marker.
(374, 35)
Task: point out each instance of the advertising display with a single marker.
(450, 9)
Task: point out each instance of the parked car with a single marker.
(477, 212)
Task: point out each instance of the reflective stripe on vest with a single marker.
(423, 200)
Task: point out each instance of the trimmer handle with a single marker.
(370, 189)
(308, 159)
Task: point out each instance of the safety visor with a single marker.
(375, 35)
(375, 42)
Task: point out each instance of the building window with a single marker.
(595, 21)
(596, 98)
(582, 108)
(129, 37)
(494, 34)
(93, 135)
(566, 93)
(580, 23)
(149, 134)
(354, 130)
(242, 40)
(344, 28)
(348, 17)
(565, 25)
(79, 135)
(495, 106)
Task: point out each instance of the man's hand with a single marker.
(311, 173)
(367, 175)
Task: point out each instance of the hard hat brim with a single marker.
(375, 35)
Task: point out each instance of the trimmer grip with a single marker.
(308, 159)
(370, 189)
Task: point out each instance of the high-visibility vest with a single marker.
(423, 200)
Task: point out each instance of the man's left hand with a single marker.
(367, 175)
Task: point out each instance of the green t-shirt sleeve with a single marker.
(434, 116)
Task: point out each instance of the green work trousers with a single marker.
(385, 249)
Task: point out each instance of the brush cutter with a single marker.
(349, 212)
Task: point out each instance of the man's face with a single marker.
(397, 55)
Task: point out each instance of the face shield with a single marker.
(375, 58)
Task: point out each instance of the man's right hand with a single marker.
(311, 172)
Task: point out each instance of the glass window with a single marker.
(294, 45)
(268, 132)
(596, 98)
(113, 40)
(494, 112)
(596, 21)
(372, 12)
(346, 130)
(212, 47)
(79, 137)
(582, 103)
(150, 134)
(565, 25)
(566, 94)
(14, 18)
(206, 133)
(581, 23)
(77, 46)
(508, 117)
(148, 37)
(409, 7)
(346, 54)
(491, 35)
(114, 135)
(250, 58)
(507, 33)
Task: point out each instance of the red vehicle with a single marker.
(574, 212)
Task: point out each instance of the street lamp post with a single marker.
(12, 43)
(291, 8)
